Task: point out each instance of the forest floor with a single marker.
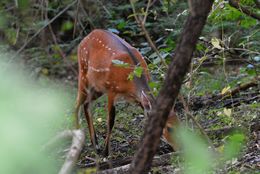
(219, 117)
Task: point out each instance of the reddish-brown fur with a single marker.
(98, 75)
(170, 128)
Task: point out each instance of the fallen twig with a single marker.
(161, 160)
(74, 152)
(239, 88)
(221, 131)
(199, 102)
(78, 140)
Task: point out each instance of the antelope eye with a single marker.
(170, 129)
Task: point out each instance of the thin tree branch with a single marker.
(76, 19)
(78, 140)
(77, 144)
(239, 88)
(87, 16)
(104, 7)
(141, 23)
(54, 38)
(146, 11)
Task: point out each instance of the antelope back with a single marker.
(99, 54)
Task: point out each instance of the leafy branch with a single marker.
(236, 4)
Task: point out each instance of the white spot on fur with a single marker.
(99, 70)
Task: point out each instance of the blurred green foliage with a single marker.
(198, 158)
(30, 115)
(23, 4)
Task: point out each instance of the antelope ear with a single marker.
(145, 102)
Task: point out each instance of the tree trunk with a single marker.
(199, 10)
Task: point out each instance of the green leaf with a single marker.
(120, 63)
(121, 25)
(138, 71)
(225, 90)
(154, 85)
(232, 13)
(248, 22)
(251, 72)
(131, 76)
(200, 47)
(68, 25)
(216, 43)
(233, 145)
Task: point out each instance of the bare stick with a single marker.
(146, 11)
(78, 140)
(241, 87)
(161, 160)
(76, 19)
(74, 152)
